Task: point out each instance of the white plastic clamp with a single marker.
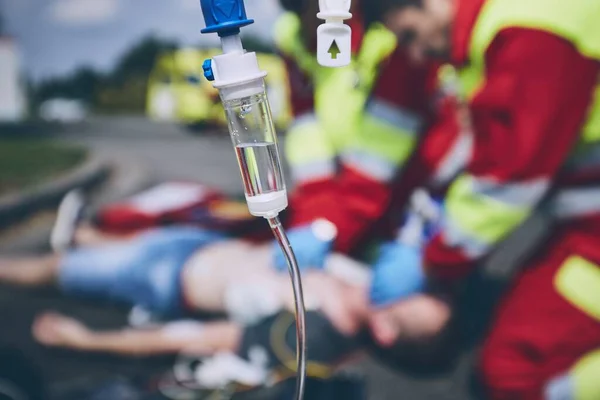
(334, 37)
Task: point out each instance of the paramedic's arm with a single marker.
(388, 135)
(527, 118)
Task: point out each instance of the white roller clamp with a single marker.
(334, 37)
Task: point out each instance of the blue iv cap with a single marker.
(225, 17)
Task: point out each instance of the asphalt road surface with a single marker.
(171, 152)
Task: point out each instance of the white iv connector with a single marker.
(334, 37)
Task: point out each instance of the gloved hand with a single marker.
(311, 248)
(398, 273)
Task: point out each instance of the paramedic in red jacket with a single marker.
(529, 69)
(354, 131)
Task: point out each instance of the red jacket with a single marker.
(526, 119)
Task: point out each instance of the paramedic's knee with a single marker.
(508, 368)
(580, 382)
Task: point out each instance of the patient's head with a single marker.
(416, 318)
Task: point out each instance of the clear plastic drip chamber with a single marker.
(255, 141)
(241, 86)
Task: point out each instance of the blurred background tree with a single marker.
(123, 89)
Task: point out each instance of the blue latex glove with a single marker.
(310, 250)
(398, 273)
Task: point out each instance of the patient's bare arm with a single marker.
(196, 338)
(29, 271)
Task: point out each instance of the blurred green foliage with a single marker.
(27, 162)
(122, 90)
(83, 84)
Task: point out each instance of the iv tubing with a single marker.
(231, 44)
(294, 271)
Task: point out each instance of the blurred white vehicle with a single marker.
(63, 111)
(13, 100)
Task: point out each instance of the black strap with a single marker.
(277, 336)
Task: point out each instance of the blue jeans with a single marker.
(145, 271)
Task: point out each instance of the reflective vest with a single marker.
(576, 21)
(372, 136)
(480, 211)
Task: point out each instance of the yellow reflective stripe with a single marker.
(453, 236)
(586, 377)
(339, 105)
(378, 44)
(392, 144)
(578, 281)
(286, 31)
(386, 138)
(306, 142)
(481, 216)
(471, 81)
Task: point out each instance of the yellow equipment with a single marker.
(178, 92)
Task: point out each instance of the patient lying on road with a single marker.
(173, 270)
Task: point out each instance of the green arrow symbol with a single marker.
(334, 50)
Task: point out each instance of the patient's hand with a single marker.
(339, 302)
(417, 317)
(53, 329)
